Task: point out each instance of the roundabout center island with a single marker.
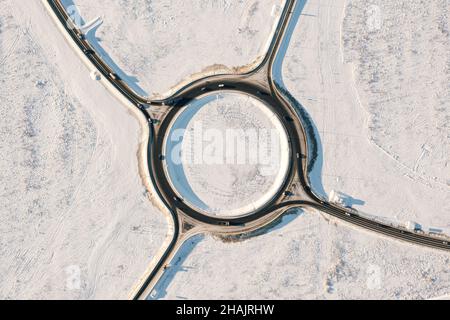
(227, 154)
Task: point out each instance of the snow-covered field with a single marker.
(75, 221)
(306, 257)
(345, 66)
(403, 78)
(158, 45)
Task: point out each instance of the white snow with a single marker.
(75, 220)
(306, 257)
(402, 74)
(344, 103)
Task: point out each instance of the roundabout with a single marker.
(226, 154)
(223, 155)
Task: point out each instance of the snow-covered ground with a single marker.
(227, 154)
(374, 103)
(306, 257)
(403, 76)
(157, 45)
(75, 220)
